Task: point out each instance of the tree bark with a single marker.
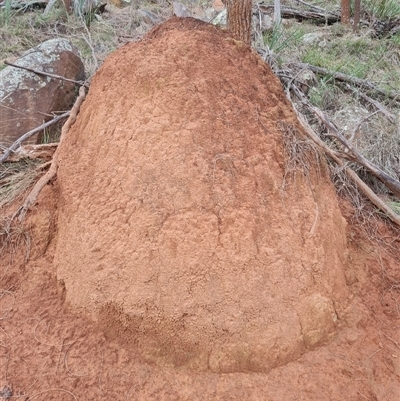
(239, 18)
(345, 13)
(357, 11)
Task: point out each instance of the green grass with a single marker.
(382, 9)
(395, 206)
(279, 38)
(6, 14)
(358, 57)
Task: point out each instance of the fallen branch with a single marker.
(353, 155)
(45, 74)
(323, 17)
(335, 156)
(30, 133)
(349, 79)
(386, 179)
(52, 172)
(379, 106)
(364, 188)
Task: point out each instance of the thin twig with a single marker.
(52, 389)
(66, 363)
(376, 171)
(379, 350)
(391, 117)
(59, 356)
(32, 152)
(27, 135)
(45, 74)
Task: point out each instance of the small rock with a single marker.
(180, 10)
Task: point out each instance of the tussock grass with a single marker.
(16, 178)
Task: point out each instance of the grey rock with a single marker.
(180, 10)
(27, 99)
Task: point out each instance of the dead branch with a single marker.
(354, 155)
(379, 106)
(349, 79)
(45, 74)
(30, 133)
(318, 16)
(52, 172)
(364, 188)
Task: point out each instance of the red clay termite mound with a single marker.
(180, 229)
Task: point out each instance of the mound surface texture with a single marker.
(179, 228)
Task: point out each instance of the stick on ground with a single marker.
(34, 131)
(44, 74)
(361, 185)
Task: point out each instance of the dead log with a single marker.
(318, 17)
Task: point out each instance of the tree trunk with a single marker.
(239, 18)
(345, 13)
(357, 11)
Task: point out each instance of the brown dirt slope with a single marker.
(178, 243)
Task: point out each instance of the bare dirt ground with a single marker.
(51, 350)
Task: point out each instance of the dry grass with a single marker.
(14, 237)
(16, 179)
(302, 155)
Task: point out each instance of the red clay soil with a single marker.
(180, 257)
